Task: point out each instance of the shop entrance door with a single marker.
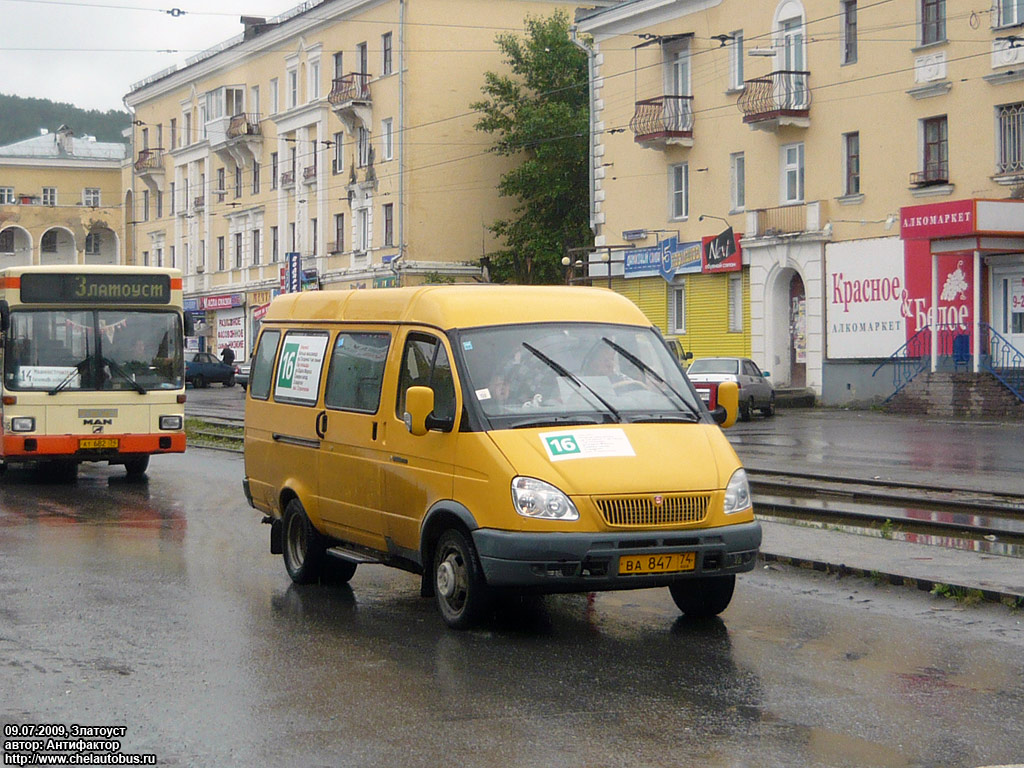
(797, 333)
(1008, 306)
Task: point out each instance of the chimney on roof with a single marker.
(64, 140)
(44, 131)
(254, 25)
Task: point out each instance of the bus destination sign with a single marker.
(95, 288)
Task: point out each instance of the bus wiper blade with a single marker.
(124, 375)
(561, 370)
(676, 418)
(555, 421)
(67, 379)
(641, 365)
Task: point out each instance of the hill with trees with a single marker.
(21, 118)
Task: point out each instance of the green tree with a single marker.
(540, 116)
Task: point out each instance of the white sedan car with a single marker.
(756, 391)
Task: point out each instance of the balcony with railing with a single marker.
(350, 100)
(199, 202)
(663, 120)
(787, 220)
(933, 174)
(309, 174)
(777, 99)
(237, 139)
(288, 179)
(150, 168)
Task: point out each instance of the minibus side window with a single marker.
(263, 365)
(425, 363)
(357, 371)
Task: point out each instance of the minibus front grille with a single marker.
(654, 509)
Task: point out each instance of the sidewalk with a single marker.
(868, 445)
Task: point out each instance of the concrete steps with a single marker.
(957, 396)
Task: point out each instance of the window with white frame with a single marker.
(678, 189)
(389, 224)
(293, 87)
(339, 65)
(1010, 138)
(737, 181)
(677, 307)
(90, 196)
(256, 243)
(388, 139)
(145, 205)
(314, 238)
(275, 243)
(736, 60)
(735, 303)
(6, 195)
(220, 254)
(274, 96)
(362, 229)
(339, 232)
(254, 102)
(158, 257)
(792, 173)
(238, 250)
(385, 54)
(314, 80)
(362, 54)
(1011, 13)
(338, 165)
(677, 68)
(170, 253)
(50, 196)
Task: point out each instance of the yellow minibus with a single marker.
(492, 439)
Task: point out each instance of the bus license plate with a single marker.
(98, 442)
(642, 564)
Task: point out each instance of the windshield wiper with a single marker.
(641, 365)
(556, 421)
(685, 418)
(67, 379)
(116, 368)
(564, 372)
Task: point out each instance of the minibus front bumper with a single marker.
(578, 562)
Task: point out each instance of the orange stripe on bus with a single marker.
(10, 283)
(176, 283)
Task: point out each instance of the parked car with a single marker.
(756, 391)
(204, 369)
(242, 375)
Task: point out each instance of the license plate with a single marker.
(98, 442)
(641, 564)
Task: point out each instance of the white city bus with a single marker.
(93, 366)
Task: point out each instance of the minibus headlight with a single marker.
(535, 498)
(170, 422)
(23, 424)
(737, 493)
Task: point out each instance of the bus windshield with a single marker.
(93, 350)
(532, 375)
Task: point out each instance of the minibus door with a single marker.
(418, 470)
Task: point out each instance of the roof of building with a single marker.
(49, 146)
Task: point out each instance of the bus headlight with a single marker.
(23, 424)
(737, 493)
(537, 499)
(170, 422)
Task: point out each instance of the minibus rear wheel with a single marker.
(703, 598)
(462, 596)
(304, 549)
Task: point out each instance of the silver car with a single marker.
(756, 391)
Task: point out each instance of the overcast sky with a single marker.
(90, 52)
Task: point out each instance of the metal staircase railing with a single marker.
(1004, 361)
(909, 360)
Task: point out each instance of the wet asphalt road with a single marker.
(157, 606)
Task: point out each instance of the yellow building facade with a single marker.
(60, 200)
(869, 158)
(340, 131)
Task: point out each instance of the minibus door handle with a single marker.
(321, 424)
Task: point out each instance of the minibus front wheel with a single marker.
(304, 547)
(462, 596)
(704, 597)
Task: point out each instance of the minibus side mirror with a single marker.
(728, 404)
(419, 404)
(5, 315)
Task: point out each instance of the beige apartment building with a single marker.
(340, 131)
(60, 200)
(868, 158)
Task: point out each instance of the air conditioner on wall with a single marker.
(200, 269)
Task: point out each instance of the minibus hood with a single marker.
(622, 458)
